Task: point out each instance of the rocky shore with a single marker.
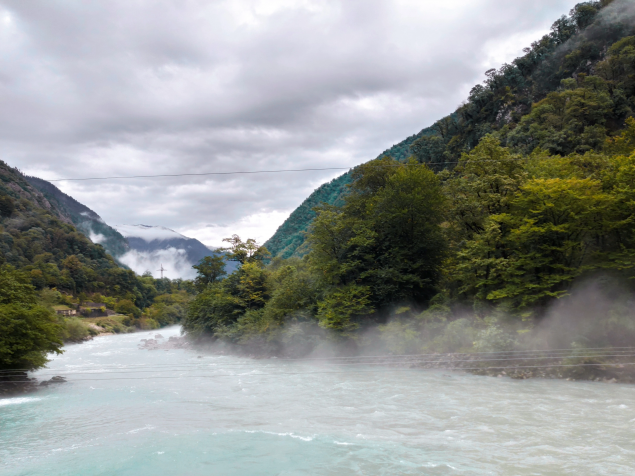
(599, 368)
(20, 384)
(595, 365)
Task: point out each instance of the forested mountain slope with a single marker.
(289, 238)
(38, 237)
(85, 220)
(567, 93)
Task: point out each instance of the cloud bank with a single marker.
(137, 87)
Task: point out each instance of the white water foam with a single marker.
(18, 400)
(303, 438)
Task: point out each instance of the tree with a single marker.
(28, 332)
(126, 306)
(624, 144)
(524, 230)
(571, 120)
(385, 245)
(221, 304)
(7, 206)
(210, 269)
(245, 251)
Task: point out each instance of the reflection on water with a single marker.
(139, 412)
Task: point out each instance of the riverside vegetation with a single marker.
(508, 225)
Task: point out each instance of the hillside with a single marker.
(37, 236)
(85, 220)
(554, 97)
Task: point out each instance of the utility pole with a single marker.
(162, 270)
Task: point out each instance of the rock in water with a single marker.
(56, 379)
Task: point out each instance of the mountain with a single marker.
(140, 247)
(571, 90)
(38, 237)
(85, 220)
(153, 247)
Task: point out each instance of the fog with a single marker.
(175, 262)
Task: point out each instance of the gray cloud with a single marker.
(128, 87)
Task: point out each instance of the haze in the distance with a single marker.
(123, 87)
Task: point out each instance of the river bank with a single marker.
(20, 383)
(606, 365)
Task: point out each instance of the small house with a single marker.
(93, 309)
(64, 311)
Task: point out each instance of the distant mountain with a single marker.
(85, 220)
(504, 106)
(148, 238)
(140, 247)
(154, 246)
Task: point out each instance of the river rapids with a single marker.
(130, 411)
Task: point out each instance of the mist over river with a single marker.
(227, 415)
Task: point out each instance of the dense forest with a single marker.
(510, 224)
(46, 263)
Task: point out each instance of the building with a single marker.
(64, 311)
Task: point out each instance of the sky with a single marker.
(137, 87)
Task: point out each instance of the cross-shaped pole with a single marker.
(162, 269)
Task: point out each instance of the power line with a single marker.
(338, 372)
(195, 367)
(402, 358)
(204, 174)
(251, 172)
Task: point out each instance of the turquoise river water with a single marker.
(139, 412)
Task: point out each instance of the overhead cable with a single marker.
(276, 374)
(251, 172)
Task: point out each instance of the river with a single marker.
(139, 412)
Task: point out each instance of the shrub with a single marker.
(400, 337)
(457, 336)
(148, 324)
(74, 330)
(494, 339)
(126, 306)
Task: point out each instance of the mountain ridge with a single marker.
(574, 46)
(85, 220)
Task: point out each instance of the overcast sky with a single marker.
(129, 87)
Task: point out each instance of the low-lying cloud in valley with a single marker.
(119, 87)
(173, 260)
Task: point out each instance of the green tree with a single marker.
(7, 206)
(127, 307)
(244, 251)
(623, 144)
(28, 331)
(385, 244)
(571, 120)
(220, 305)
(210, 269)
